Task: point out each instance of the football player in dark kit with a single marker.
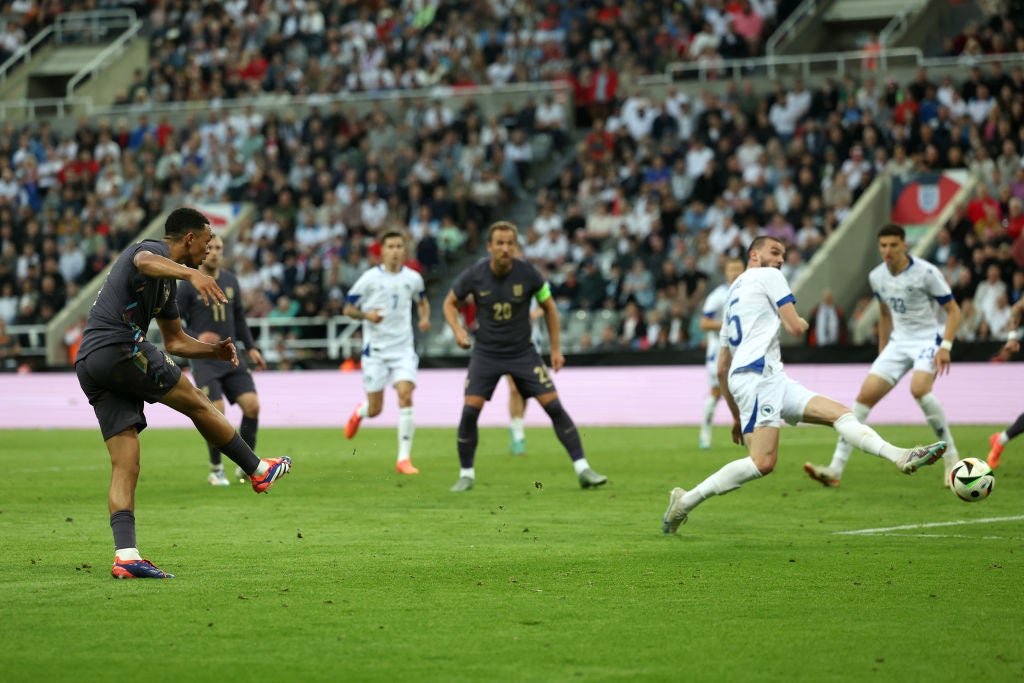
(217, 378)
(119, 369)
(502, 287)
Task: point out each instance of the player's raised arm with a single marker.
(178, 343)
(791, 320)
(451, 316)
(154, 265)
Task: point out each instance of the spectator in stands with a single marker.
(826, 323)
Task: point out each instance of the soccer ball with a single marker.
(971, 479)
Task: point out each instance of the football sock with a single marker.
(468, 436)
(860, 436)
(239, 453)
(580, 465)
(518, 427)
(1015, 429)
(936, 418)
(363, 410)
(122, 523)
(565, 430)
(214, 457)
(467, 472)
(248, 430)
(709, 411)
(843, 447)
(127, 554)
(729, 478)
(406, 428)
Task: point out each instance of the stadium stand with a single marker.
(630, 205)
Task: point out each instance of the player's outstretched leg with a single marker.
(920, 456)
(705, 425)
(936, 418)
(468, 437)
(567, 433)
(729, 478)
(352, 426)
(830, 475)
(216, 476)
(268, 472)
(997, 442)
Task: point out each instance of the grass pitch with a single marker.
(347, 571)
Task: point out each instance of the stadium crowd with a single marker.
(654, 193)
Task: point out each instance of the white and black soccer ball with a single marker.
(971, 479)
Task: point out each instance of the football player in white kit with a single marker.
(913, 298)
(760, 395)
(711, 322)
(382, 297)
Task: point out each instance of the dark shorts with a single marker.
(218, 379)
(527, 370)
(117, 379)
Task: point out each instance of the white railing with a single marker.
(24, 53)
(36, 335)
(92, 26)
(740, 69)
(785, 29)
(102, 59)
(339, 341)
(46, 106)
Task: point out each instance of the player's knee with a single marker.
(765, 462)
(251, 408)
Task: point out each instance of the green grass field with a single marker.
(347, 571)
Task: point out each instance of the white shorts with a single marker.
(768, 401)
(712, 366)
(897, 358)
(401, 366)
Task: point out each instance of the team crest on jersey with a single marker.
(517, 290)
(229, 292)
(767, 410)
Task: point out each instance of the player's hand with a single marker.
(942, 362)
(804, 325)
(225, 350)
(424, 324)
(462, 338)
(737, 433)
(207, 287)
(557, 361)
(256, 358)
(1011, 346)
(374, 316)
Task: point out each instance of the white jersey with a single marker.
(915, 297)
(392, 294)
(751, 326)
(714, 309)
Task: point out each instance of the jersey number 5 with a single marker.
(733, 322)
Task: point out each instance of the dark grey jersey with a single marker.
(502, 303)
(128, 301)
(227, 320)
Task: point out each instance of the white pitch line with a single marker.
(973, 538)
(929, 525)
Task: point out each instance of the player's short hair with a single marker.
(184, 220)
(893, 230)
(388, 234)
(760, 240)
(501, 226)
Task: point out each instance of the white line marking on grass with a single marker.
(973, 538)
(929, 525)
